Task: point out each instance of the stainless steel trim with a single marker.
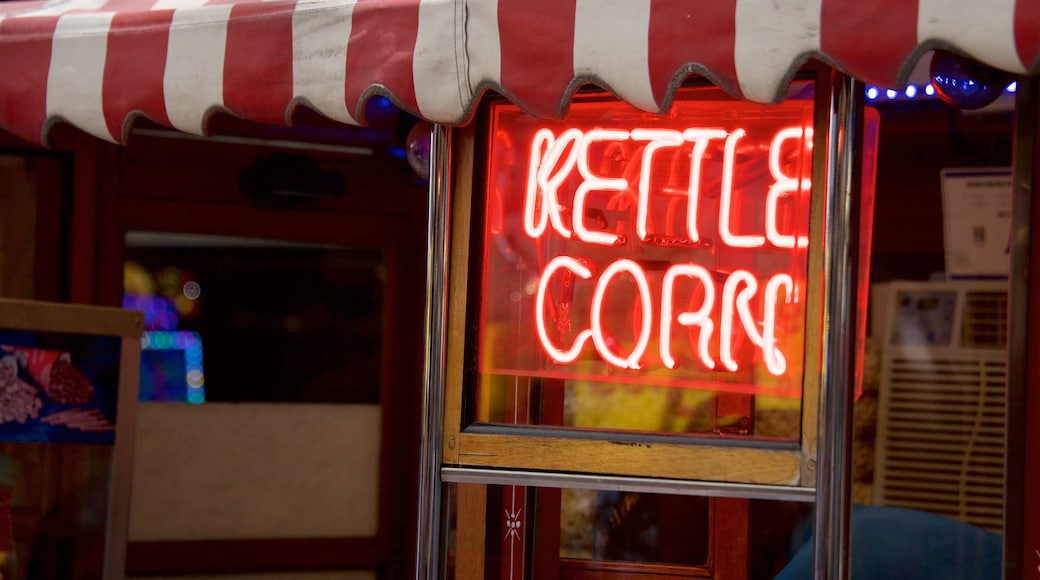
(428, 550)
(834, 446)
(618, 483)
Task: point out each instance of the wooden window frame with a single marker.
(666, 456)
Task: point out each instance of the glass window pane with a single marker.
(503, 531)
(233, 319)
(645, 273)
(931, 420)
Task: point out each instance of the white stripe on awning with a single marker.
(320, 56)
(611, 44)
(434, 64)
(194, 79)
(435, 57)
(770, 36)
(76, 76)
(984, 29)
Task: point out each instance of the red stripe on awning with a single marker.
(1027, 32)
(681, 33)
(259, 54)
(888, 27)
(537, 43)
(25, 59)
(525, 48)
(133, 80)
(382, 40)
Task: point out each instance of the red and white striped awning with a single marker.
(98, 64)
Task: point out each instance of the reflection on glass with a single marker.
(232, 319)
(930, 423)
(171, 367)
(634, 527)
(640, 272)
(525, 532)
(58, 532)
(941, 401)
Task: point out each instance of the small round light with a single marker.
(911, 91)
(417, 147)
(872, 93)
(1012, 87)
(191, 290)
(964, 83)
(891, 93)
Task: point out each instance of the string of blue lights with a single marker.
(913, 91)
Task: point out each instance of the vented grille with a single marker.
(941, 434)
(985, 319)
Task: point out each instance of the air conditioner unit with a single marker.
(941, 399)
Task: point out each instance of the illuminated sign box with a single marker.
(625, 247)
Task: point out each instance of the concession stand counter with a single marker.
(649, 236)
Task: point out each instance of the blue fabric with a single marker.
(891, 543)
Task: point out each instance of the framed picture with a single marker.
(69, 375)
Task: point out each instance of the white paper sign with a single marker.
(977, 221)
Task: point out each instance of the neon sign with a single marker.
(627, 247)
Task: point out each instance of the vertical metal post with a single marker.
(1022, 333)
(427, 556)
(834, 445)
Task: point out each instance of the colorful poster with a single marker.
(58, 387)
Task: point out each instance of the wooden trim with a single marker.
(457, 286)
(244, 556)
(83, 264)
(729, 538)
(51, 243)
(1022, 435)
(666, 460)
(733, 463)
(122, 466)
(56, 317)
(572, 569)
(814, 323)
(34, 316)
(305, 226)
(470, 530)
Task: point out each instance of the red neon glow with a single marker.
(775, 361)
(552, 159)
(701, 139)
(731, 301)
(700, 318)
(594, 182)
(548, 149)
(657, 139)
(784, 185)
(539, 317)
(649, 249)
(598, 336)
(737, 292)
(725, 218)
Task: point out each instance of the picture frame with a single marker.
(74, 371)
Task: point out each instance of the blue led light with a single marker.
(191, 344)
(873, 93)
